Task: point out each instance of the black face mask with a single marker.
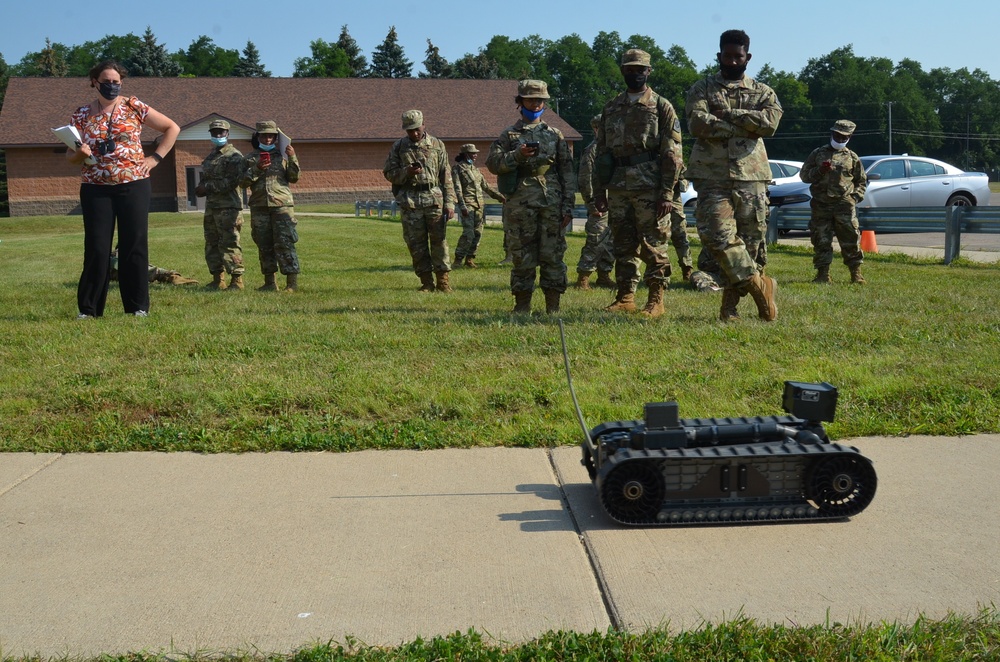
(635, 81)
(109, 90)
(731, 72)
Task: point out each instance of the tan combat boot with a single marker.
(822, 275)
(686, 271)
(177, 279)
(763, 290)
(291, 282)
(730, 300)
(856, 276)
(551, 301)
(457, 264)
(522, 303)
(442, 282)
(426, 282)
(583, 280)
(654, 304)
(471, 263)
(624, 302)
(604, 279)
(236, 283)
(269, 284)
(217, 282)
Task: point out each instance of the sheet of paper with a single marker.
(71, 138)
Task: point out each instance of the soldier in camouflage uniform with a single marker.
(838, 183)
(417, 168)
(534, 169)
(639, 162)
(221, 174)
(730, 114)
(678, 229)
(596, 254)
(272, 209)
(155, 274)
(470, 185)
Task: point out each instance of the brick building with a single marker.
(342, 129)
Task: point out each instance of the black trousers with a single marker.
(103, 206)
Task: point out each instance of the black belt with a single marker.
(422, 187)
(636, 159)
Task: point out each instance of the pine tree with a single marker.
(249, 65)
(152, 59)
(388, 60)
(356, 59)
(50, 63)
(436, 66)
(479, 66)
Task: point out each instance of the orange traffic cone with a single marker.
(868, 243)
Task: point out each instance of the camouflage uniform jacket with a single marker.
(846, 178)
(432, 186)
(731, 148)
(470, 186)
(222, 171)
(269, 188)
(647, 128)
(545, 180)
(585, 178)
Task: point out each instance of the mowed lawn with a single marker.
(359, 359)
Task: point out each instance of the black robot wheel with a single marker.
(841, 485)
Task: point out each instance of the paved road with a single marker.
(269, 552)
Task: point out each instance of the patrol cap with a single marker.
(635, 56)
(845, 127)
(268, 126)
(219, 124)
(412, 119)
(532, 89)
(469, 148)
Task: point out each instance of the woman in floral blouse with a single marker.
(116, 188)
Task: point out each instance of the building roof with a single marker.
(307, 109)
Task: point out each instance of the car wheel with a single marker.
(691, 203)
(961, 200)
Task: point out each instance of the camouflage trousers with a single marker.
(835, 218)
(537, 241)
(273, 230)
(222, 240)
(678, 232)
(424, 233)
(596, 254)
(638, 236)
(732, 221)
(472, 233)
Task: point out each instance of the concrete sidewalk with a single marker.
(269, 552)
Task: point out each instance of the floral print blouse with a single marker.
(125, 164)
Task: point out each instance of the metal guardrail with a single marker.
(952, 221)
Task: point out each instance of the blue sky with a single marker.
(784, 34)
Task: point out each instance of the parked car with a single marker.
(782, 172)
(902, 181)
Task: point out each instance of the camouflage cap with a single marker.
(468, 148)
(635, 56)
(845, 127)
(533, 89)
(219, 124)
(412, 119)
(267, 126)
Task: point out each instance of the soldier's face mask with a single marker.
(838, 145)
(219, 141)
(531, 115)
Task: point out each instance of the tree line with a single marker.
(898, 107)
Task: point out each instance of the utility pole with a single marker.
(889, 103)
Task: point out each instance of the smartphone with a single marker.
(532, 145)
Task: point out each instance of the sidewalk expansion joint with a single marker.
(595, 566)
(30, 474)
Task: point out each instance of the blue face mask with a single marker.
(219, 141)
(531, 115)
(268, 148)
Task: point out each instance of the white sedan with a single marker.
(782, 172)
(903, 181)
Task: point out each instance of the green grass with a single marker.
(359, 359)
(955, 638)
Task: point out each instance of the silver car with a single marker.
(902, 181)
(781, 172)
